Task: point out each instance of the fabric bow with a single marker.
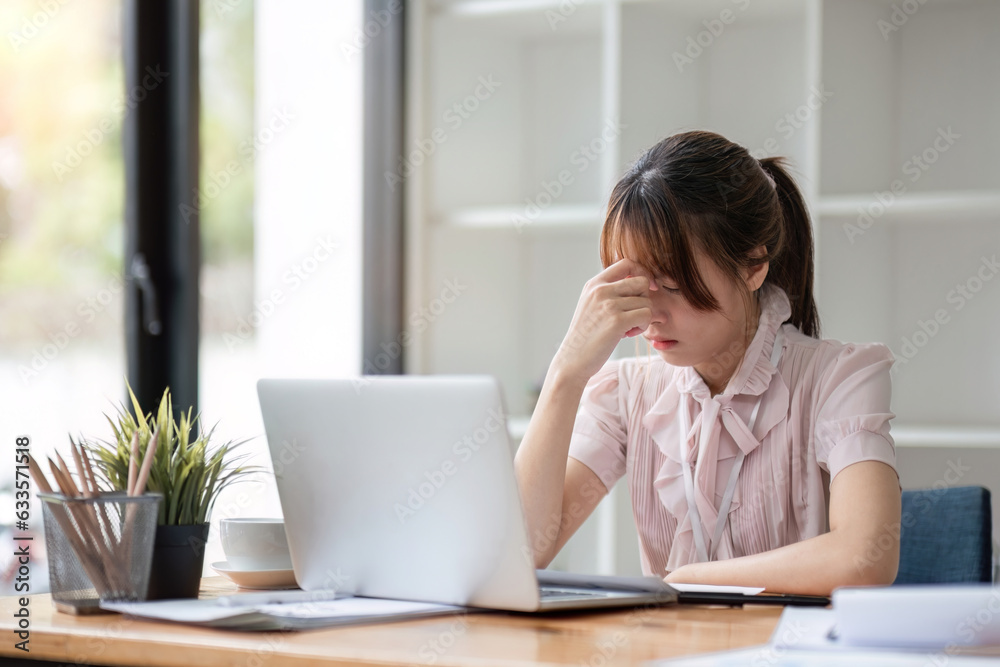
(725, 417)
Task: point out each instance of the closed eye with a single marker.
(672, 290)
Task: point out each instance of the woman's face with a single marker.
(712, 341)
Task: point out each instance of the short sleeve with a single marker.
(598, 439)
(852, 422)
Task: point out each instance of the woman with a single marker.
(756, 453)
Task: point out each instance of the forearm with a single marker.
(811, 567)
(540, 463)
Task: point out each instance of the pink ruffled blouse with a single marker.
(824, 407)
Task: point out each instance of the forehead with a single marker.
(655, 258)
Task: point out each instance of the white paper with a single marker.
(919, 616)
(807, 628)
(293, 615)
(355, 607)
(712, 588)
(647, 584)
(813, 637)
(765, 655)
(601, 582)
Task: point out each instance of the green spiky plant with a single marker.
(189, 473)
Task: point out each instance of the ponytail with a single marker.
(792, 269)
(698, 190)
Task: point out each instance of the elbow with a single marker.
(873, 562)
(882, 575)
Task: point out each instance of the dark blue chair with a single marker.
(946, 536)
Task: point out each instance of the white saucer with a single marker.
(257, 579)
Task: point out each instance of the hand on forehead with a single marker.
(637, 270)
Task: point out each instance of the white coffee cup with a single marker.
(254, 544)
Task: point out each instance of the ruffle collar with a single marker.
(718, 413)
(754, 374)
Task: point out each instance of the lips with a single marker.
(659, 343)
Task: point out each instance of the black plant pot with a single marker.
(178, 559)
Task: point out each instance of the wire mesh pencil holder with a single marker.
(99, 548)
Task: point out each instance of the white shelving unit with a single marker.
(509, 203)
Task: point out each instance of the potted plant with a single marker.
(189, 473)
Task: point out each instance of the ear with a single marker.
(755, 274)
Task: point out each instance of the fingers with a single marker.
(623, 278)
(636, 316)
(627, 304)
(628, 287)
(639, 319)
(623, 268)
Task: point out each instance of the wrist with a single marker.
(561, 377)
(685, 574)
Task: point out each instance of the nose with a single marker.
(660, 313)
(655, 294)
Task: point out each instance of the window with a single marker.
(62, 352)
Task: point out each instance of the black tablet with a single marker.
(739, 599)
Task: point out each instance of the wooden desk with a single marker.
(626, 637)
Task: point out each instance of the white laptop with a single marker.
(403, 487)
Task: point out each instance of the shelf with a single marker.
(525, 218)
(692, 9)
(947, 207)
(916, 104)
(684, 69)
(946, 436)
(499, 8)
(528, 133)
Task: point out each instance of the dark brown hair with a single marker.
(698, 189)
